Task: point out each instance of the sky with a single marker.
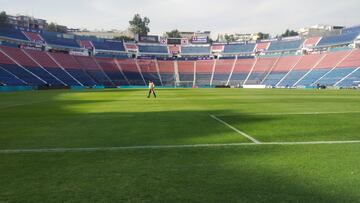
(217, 16)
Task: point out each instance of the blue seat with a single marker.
(9, 79)
(352, 80)
(239, 48)
(109, 45)
(82, 77)
(10, 32)
(23, 74)
(274, 78)
(55, 38)
(156, 49)
(285, 45)
(195, 50)
(312, 77)
(338, 39)
(335, 76)
(293, 77)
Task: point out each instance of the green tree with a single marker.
(263, 36)
(173, 34)
(229, 38)
(53, 27)
(3, 17)
(290, 33)
(139, 25)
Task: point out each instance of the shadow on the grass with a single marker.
(242, 174)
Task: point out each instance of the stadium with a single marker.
(259, 119)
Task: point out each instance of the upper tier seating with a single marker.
(86, 44)
(355, 29)
(312, 42)
(239, 48)
(54, 38)
(195, 50)
(217, 47)
(338, 39)
(285, 45)
(34, 37)
(10, 32)
(153, 49)
(174, 49)
(263, 46)
(109, 45)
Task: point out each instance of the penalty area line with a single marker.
(236, 130)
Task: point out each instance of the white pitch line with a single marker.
(236, 130)
(94, 149)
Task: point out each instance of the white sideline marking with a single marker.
(94, 149)
(236, 130)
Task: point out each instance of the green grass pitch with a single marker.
(119, 146)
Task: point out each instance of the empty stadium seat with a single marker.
(167, 72)
(222, 71)
(283, 45)
(149, 71)
(109, 45)
(186, 70)
(195, 50)
(204, 70)
(280, 69)
(239, 48)
(54, 38)
(338, 39)
(241, 71)
(34, 37)
(112, 70)
(153, 49)
(131, 71)
(10, 32)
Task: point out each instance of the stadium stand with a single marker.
(12, 33)
(260, 70)
(217, 48)
(241, 71)
(282, 67)
(239, 48)
(262, 46)
(153, 49)
(109, 45)
(329, 62)
(74, 68)
(93, 70)
(58, 39)
(174, 49)
(311, 42)
(195, 50)
(20, 72)
(186, 70)
(49, 64)
(112, 70)
(285, 45)
(223, 69)
(149, 71)
(167, 72)
(28, 63)
(352, 29)
(338, 39)
(131, 71)
(33, 37)
(204, 71)
(86, 44)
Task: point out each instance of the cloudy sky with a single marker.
(218, 16)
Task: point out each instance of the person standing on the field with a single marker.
(151, 89)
